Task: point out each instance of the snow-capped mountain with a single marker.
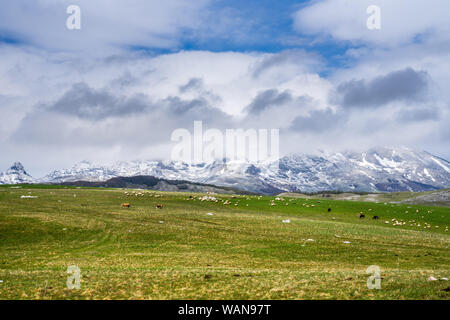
(15, 174)
(379, 169)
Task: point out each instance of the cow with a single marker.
(159, 206)
(126, 205)
(375, 217)
(361, 216)
(329, 209)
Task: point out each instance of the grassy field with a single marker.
(243, 250)
(432, 197)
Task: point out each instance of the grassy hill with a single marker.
(431, 198)
(242, 251)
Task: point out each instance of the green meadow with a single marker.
(216, 246)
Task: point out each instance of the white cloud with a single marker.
(69, 104)
(401, 20)
(59, 106)
(104, 27)
(147, 99)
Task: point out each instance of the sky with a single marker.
(136, 70)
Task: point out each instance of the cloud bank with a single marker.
(108, 94)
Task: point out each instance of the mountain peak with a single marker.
(17, 166)
(15, 174)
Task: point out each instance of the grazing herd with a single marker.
(235, 200)
(128, 205)
(214, 199)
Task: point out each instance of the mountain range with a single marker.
(376, 170)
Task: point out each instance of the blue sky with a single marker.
(269, 28)
(256, 26)
(266, 22)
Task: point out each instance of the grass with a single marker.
(242, 251)
(375, 197)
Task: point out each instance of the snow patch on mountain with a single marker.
(378, 169)
(16, 174)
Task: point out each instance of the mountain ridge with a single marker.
(153, 183)
(375, 170)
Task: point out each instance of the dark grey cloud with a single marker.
(88, 117)
(319, 121)
(193, 83)
(197, 86)
(92, 104)
(419, 115)
(291, 57)
(404, 85)
(186, 111)
(268, 99)
(272, 99)
(125, 80)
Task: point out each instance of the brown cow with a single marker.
(159, 206)
(125, 205)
